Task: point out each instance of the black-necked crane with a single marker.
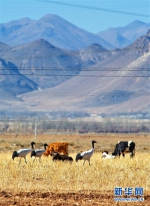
(22, 153)
(86, 155)
(38, 152)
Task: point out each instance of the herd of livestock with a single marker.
(59, 151)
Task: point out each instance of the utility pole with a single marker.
(35, 129)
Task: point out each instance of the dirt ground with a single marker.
(63, 199)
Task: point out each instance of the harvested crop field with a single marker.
(71, 184)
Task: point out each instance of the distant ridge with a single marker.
(123, 36)
(93, 80)
(52, 28)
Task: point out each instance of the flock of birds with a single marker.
(22, 153)
(86, 155)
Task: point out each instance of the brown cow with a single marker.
(61, 147)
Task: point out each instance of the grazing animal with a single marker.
(107, 156)
(57, 156)
(122, 146)
(22, 153)
(38, 153)
(86, 155)
(61, 147)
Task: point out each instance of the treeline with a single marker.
(116, 125)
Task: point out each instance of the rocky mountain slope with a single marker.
(53, 29)
(65, 35)
(93, 79)
(47, 65)
(123, 36)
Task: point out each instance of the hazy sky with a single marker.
(91, 15)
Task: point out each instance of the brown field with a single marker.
(72, 184)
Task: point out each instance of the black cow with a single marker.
(122, 146)
(57, 156)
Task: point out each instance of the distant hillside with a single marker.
(47, 65)
(123, 36)
(94, 79)
(65, 35)
(12, 82)
(118, 84)
(52, 28)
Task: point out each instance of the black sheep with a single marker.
(60, 157)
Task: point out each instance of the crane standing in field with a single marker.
(22, 153)
(38, 152)
(86, 155)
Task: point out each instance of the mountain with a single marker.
(94, 53)
(115, 38)
(43, 63)
(53, 29)
(47, 65)
(65, 35)
(134, 30)
(93, 79)
(12, 82)
(119, 84)
(10, 31)
(121, 37)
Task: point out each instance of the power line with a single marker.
(82, 94)
(67, 69)
(94, 8)
(97, 76)
(73, 75)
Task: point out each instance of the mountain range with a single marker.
(94, 77)
(123, 36)
(63, 34)
(52, 28)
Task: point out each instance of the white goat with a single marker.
(107, 156)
